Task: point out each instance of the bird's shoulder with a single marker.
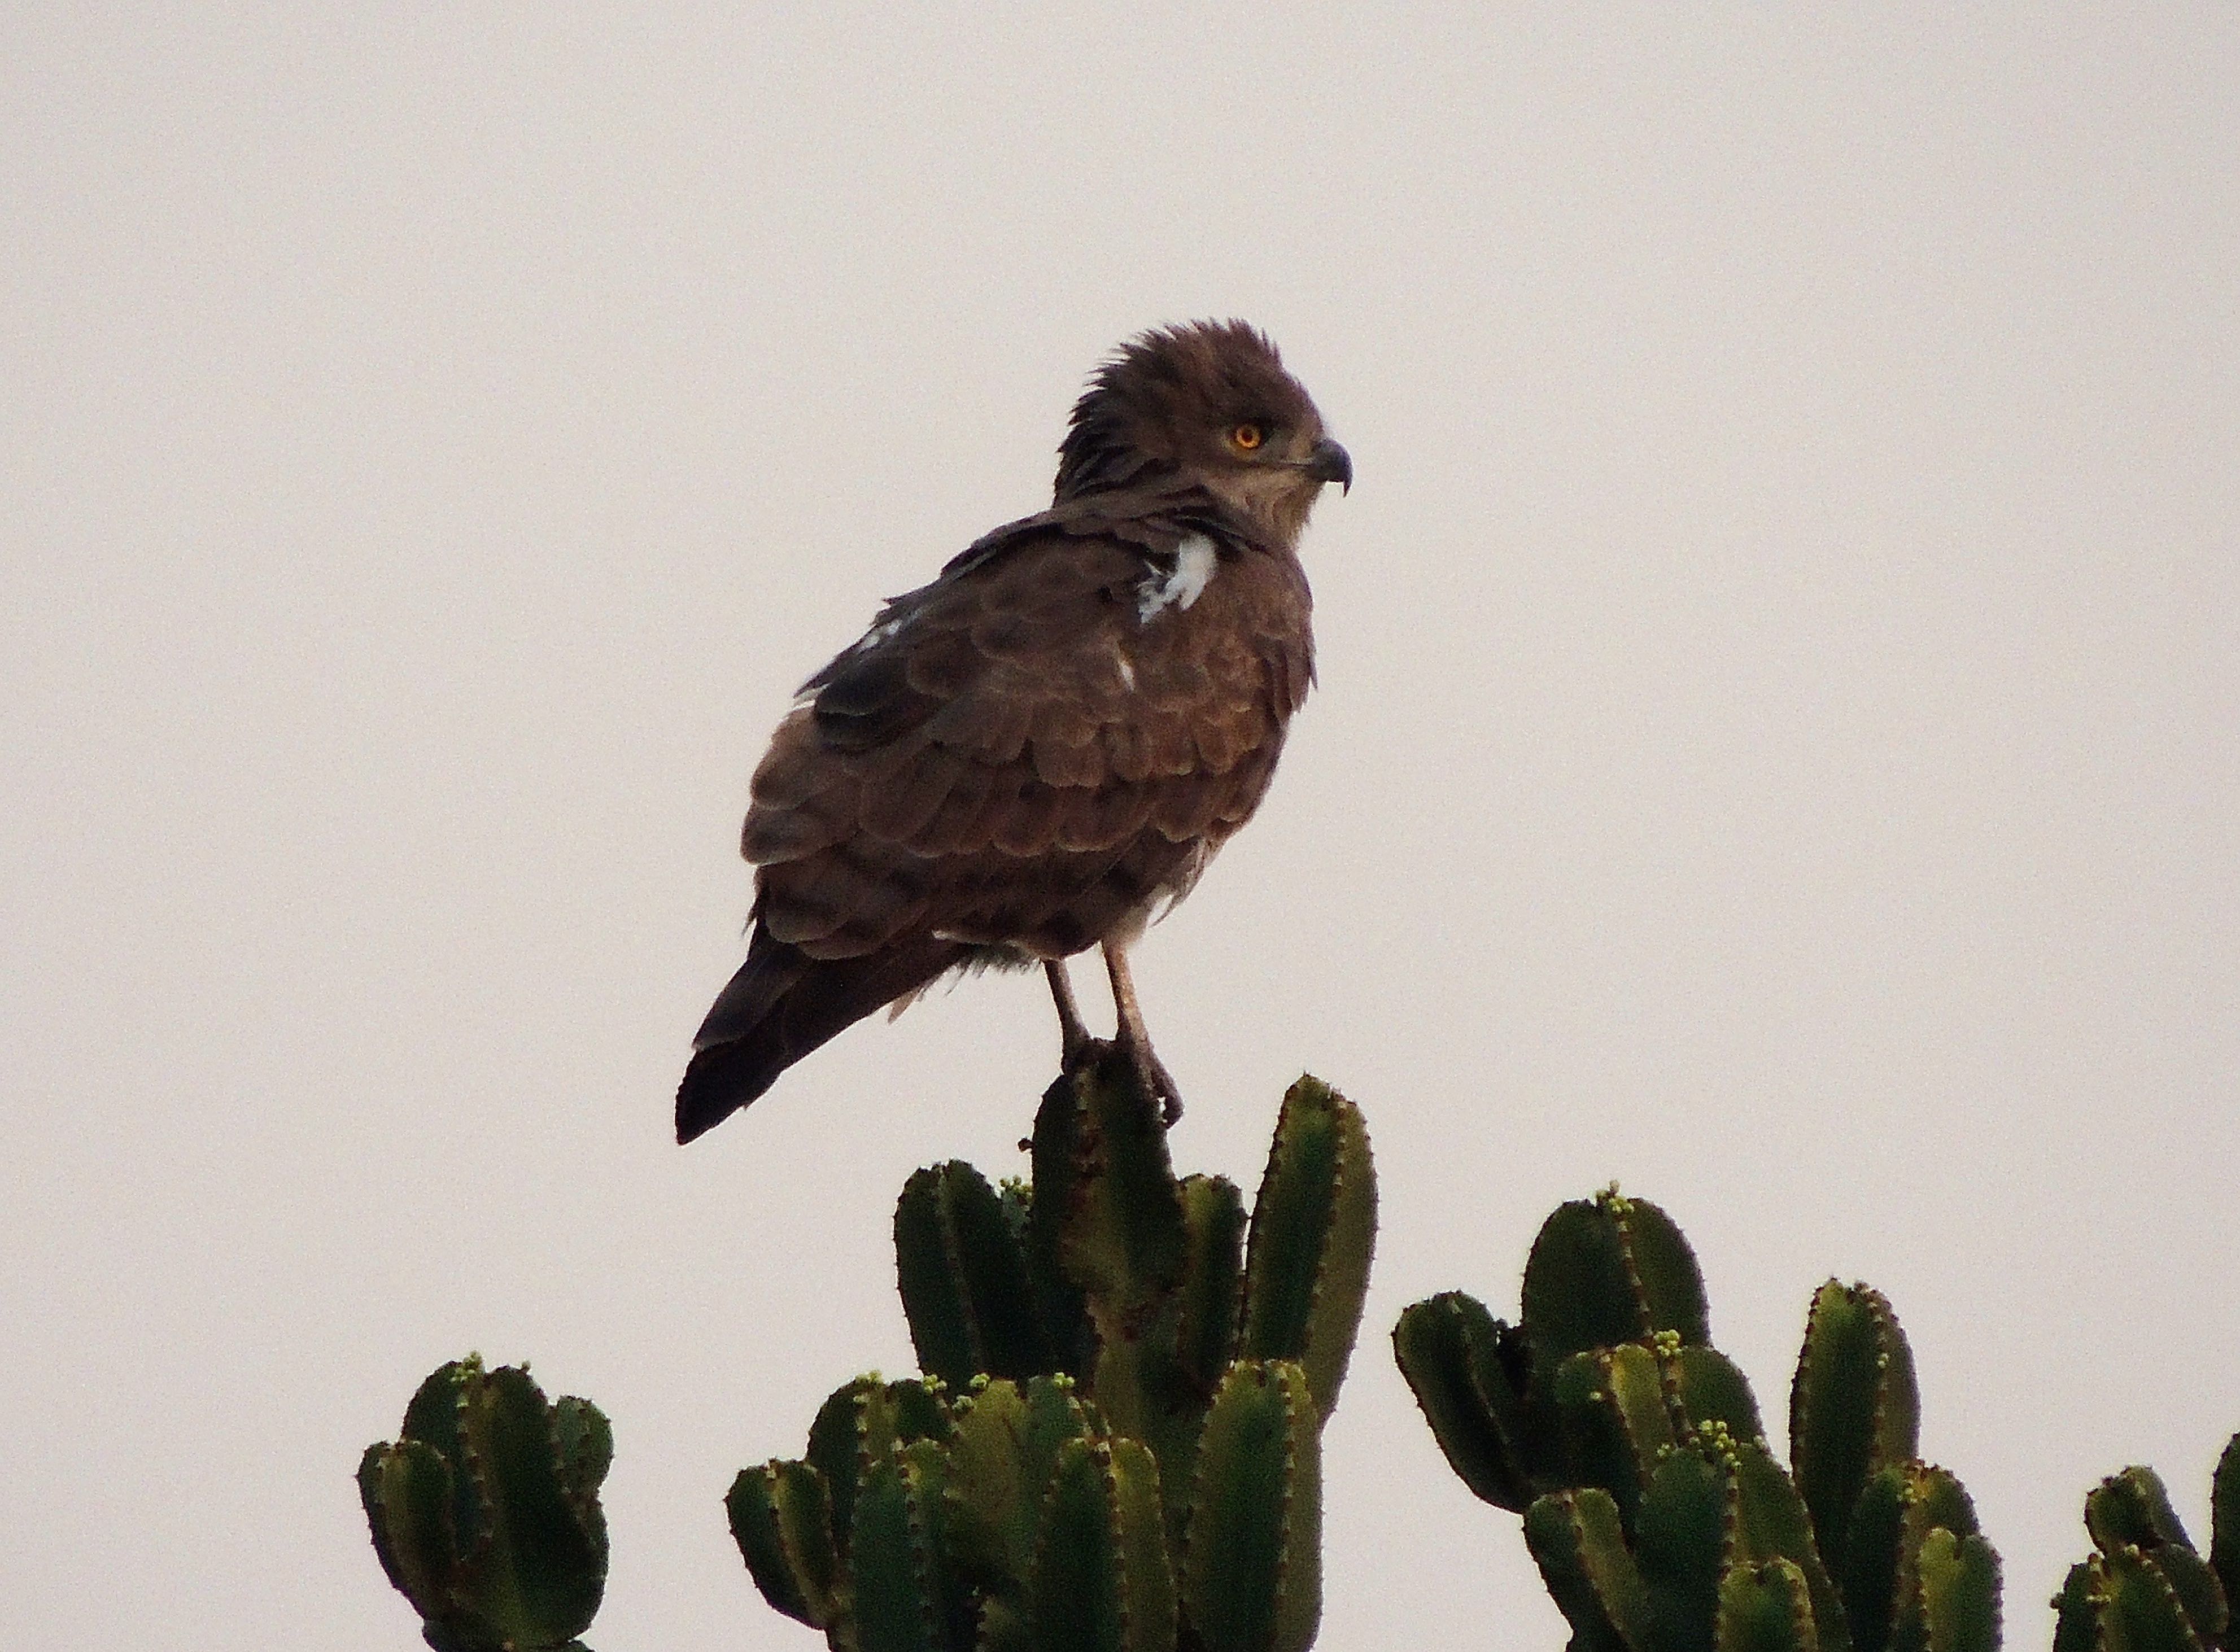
(1034, 604)
(1144, 525)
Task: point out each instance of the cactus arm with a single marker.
(1001, 1460)
(1607, 1270)
(2133, 1507)
(406, 1488)
(1854, 1408)
(1101, 1577)
(1765, 1608)
(1314, 1227)
(1106, 1206)
(834, 1439)
(859, 1426)
(1874, 1561)
(1681, 1541)
(1145, 1563)
(1616, 1421)
(1662, 1267)
(435, 1418)
(1206, 1306)
(2224, 1523)
(2138, 1609)
(2132, 1510)
(1578, 1542)
(2077, 1623)
(1773, 1524)
(1959, 1600)
(781, 1518)
(543, 1573)
(1708, 1387)
(587, 1446)
(894, 1604)
(1451, 1350)
(963, 1272)
(1252, 1563)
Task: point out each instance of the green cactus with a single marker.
(2224, 1523)
(485, 1510)
(2145, 1587)
(1854, 1408)
(1252, 1577)
(1635, 1451)
(1306, 1270)
(1119, 1442)
(1899, 1592)
(965, 1284)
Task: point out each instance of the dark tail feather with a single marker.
(784, 1004)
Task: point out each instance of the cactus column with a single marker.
(1116, 1443)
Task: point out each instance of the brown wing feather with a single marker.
(1023, 708)
(1014, 758)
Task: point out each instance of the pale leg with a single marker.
(1072, 1036)
(1136, 1038)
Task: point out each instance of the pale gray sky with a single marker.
(1778, 745)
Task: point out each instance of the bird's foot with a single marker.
(1159, 1084)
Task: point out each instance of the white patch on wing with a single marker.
(1194, 566)
(873, 638)
(1127, 671)
(879, 632)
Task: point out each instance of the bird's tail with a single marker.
(784, 1004)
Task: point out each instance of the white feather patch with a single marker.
(1194, 565)
(875, 636)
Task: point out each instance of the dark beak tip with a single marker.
(1333, 464)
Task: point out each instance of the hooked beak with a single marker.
(1330, 462)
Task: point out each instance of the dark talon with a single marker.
(1159, 1084)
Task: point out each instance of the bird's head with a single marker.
(1210, 402)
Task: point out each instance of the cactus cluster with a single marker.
(1116, 1441)
(2145, 1587)
(485, 1510)
(1659, 1518)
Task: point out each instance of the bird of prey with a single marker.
(1039, 752)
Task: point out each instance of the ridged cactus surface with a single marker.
(485, 1510)
(2145, 1587)
(1660, 1520)
(1118, 1441)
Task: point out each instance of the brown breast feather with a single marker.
(981, 769)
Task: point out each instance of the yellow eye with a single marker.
(1247, 438)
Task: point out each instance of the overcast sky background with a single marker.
(1778, 743)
